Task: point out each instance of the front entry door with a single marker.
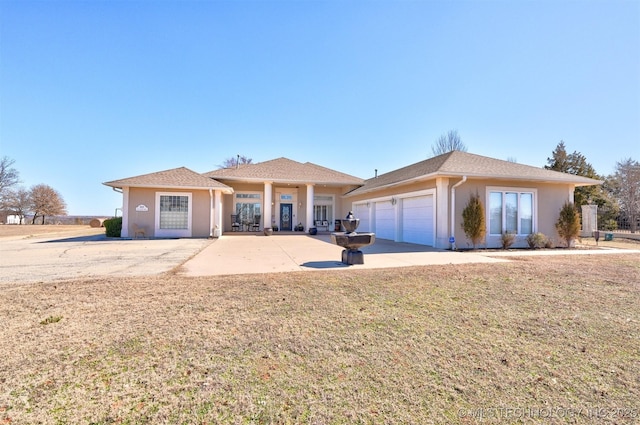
(285, 216)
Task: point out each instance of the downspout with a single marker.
(115, 189)
(453, 211)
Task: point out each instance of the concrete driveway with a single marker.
(50, 258)
(46, 258)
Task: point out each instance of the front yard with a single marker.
(553, 339)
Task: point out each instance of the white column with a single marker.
(211, 218)
(125, 213)
(268, 199)
(310, 193)
(442, 212)
(572, 194)
(397, 209)
(217, 214)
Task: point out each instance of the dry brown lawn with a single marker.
(34, 230)
(536, 340)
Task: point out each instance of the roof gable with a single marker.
(178, 178)
(458, 164)
(285, 170)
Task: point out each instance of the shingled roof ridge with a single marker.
(466, 156)
(168, 170)
(312, 164)
(420, 164)
(172, 177)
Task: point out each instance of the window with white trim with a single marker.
(248, 207)
(323, 208)
(511, 210)
(174, 212)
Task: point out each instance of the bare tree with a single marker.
(46, 201)
(448, 142)
(17, 202)
(625, 184)
(236, 162)
(9, 176)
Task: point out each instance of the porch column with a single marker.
(442, 212)
(217, 212)
(125, 213)
(572, 194)
(268, 199)
(211, 217)
(310, 193)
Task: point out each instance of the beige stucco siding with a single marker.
(200, 210)
(146, 197)
(554, 197)
(548, 199)
(201, 218)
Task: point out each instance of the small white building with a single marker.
(15, 219)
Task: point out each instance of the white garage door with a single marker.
(417, 220)
(385, 220)
(361, 211)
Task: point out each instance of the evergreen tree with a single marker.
(576, 164)
(473, 222)
(568, 224)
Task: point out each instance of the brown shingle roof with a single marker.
(284, 170)
(178, 178)
(458, 164)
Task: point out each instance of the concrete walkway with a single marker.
(240, 254)
(255, 253)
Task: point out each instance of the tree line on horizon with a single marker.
(41, 200)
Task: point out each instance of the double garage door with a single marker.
(409, 219)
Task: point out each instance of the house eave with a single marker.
(433, 176)
(227, 191)
(289, 182)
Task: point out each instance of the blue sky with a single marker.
(93, 91)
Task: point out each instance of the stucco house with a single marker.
(421, 203)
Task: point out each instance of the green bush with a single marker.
(537, 240)
(507, 239)
(473, 220)
(568, 224)
(113, 227)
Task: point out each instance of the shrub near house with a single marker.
(568, 224)
(113, 227)
(473, 220)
